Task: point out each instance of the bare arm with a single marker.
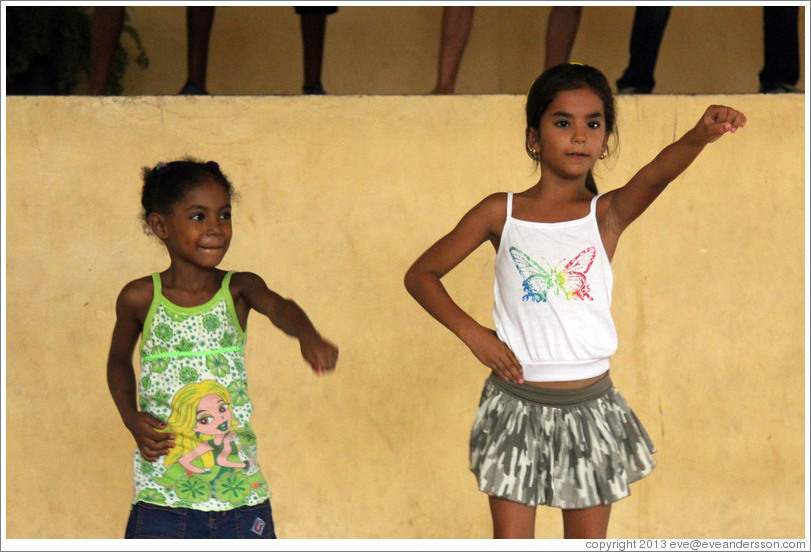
(627, 203)
(121, 374)
(286, 315)
(423, 282)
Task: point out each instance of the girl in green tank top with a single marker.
(190, 413)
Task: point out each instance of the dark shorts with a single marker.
(151, 521)
(304, 10)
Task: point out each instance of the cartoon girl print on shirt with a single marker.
(202, 423)
(205, 464)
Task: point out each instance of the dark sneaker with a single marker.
(780, 88)
(633, 90)
(190, 89)
(316, 90)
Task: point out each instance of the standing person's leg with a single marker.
(313, 30)
(561, 30)
(646, 37)
(456, 24)
(199, 20)
(105, 33)
(588, 523)
(512, 520)
(781, 58)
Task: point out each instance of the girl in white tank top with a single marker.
(551, 429)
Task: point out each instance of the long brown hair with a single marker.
(569, 76)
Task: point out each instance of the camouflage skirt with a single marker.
(567, 449)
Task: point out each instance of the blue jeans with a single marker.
(151, 521)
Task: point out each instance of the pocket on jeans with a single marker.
(255, 522)
(158, 522)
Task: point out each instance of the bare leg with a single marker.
(561, 30)
(199, 20)
(105, 33)
(313, 29)
(512, 520)
(456, 23)
(589, 523)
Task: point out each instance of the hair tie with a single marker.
(213, 165)
(161, 168)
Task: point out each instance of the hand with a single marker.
(717, 121)
(321, 355)
(494, 353)
(152, 444)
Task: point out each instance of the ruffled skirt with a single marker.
(567, 449)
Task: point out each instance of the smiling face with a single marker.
(571, 134)
(198, 228)
(213, 416)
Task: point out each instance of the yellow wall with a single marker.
(393, 50)
(337, 196)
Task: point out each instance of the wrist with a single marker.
(695, 138)
(467, 332)
(128, 416)
(309, 335)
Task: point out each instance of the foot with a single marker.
(780, 88)
(633, 90)
(315, 90)
(192, 89)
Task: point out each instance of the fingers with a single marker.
(152, 421)
(324, 358)
(152, 449)
(508, 368)
(720, 119)
(152, 443)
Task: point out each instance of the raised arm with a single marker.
(423, 282)
(286, 315)
(131, 307)
(625, 204)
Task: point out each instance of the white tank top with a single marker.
(553, 297)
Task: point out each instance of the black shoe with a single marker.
(190, 89)
(634, 90)
(316, 90)
(780, 88)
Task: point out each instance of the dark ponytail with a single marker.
(167, 183)
(591, 185)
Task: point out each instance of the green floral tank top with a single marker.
(193, 379)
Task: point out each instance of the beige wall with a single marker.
(393, 50)
(337, 196)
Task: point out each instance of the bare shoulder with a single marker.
(135, 298)
(250, 286)
(490, 211)
(138, 291)
(250, 291)
(246, 282)
(494, 204)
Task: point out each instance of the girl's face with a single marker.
(571, 134)
(198, 229)
(213, 416)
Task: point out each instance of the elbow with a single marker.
(410, 280)
(419, 280)
(413, 280)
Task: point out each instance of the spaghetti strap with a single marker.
(156, 281)
(226, 281)
(509, 205)
(593, 207)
